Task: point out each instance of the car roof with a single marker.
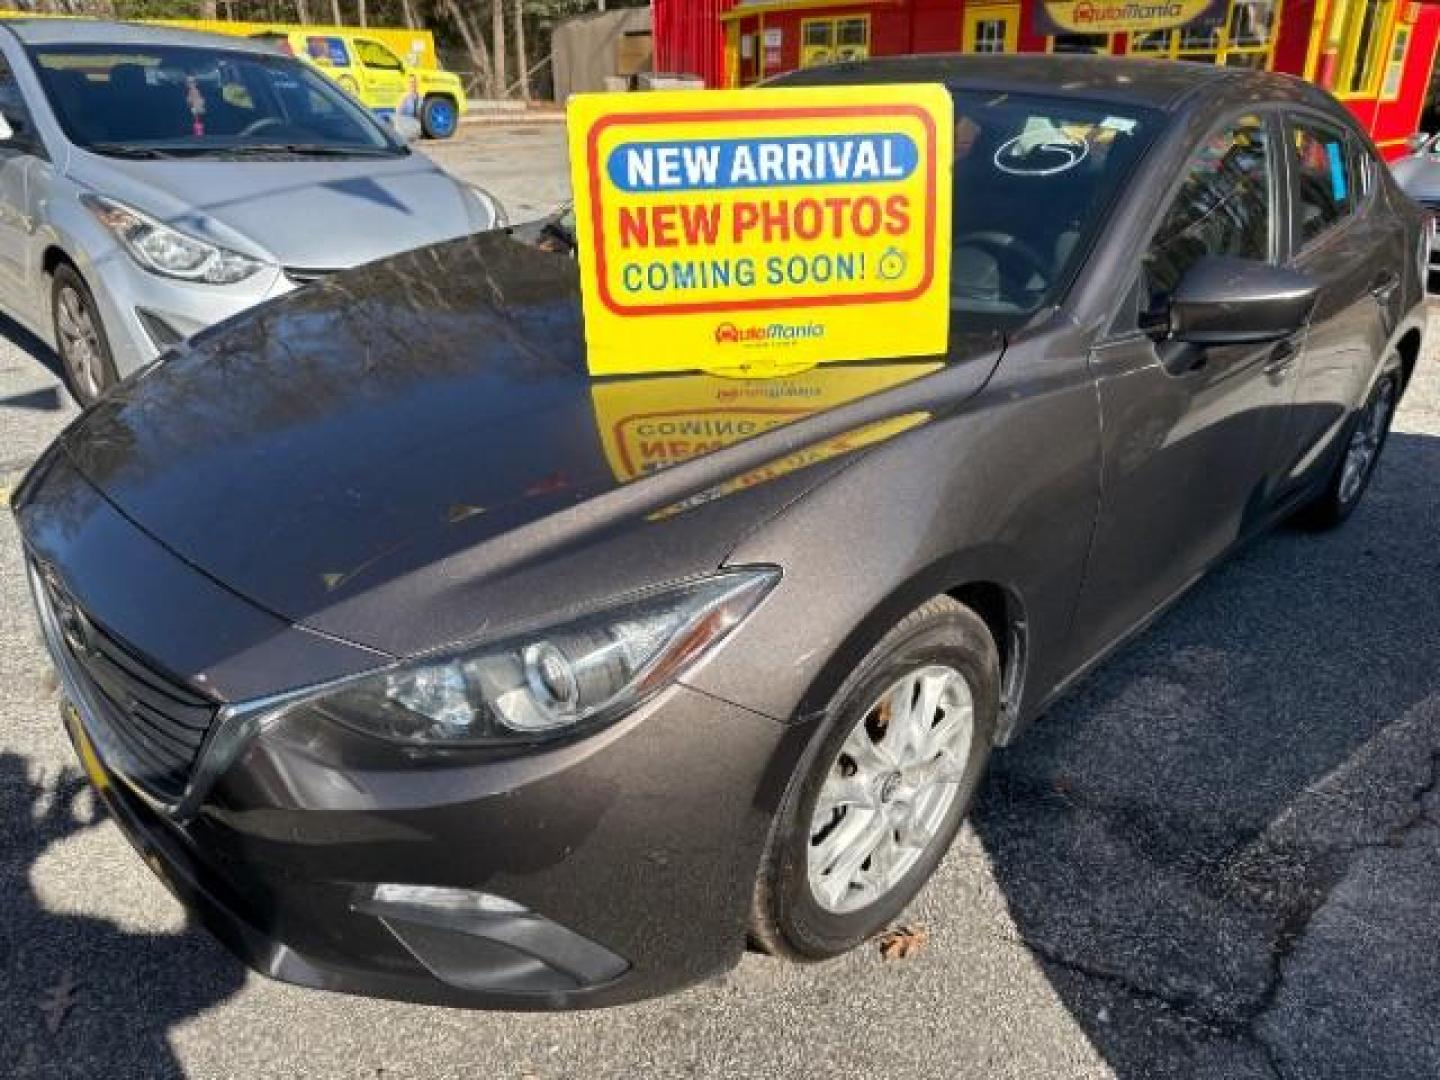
(101, 32)
(1158, 84)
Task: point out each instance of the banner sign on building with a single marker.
(758, 232)
(1120, 16)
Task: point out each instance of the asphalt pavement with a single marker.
(1217, 857)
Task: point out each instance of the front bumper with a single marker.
(633, 853)
(140, 309)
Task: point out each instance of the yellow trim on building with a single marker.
(1395, 64)
(776, 7)
(1220, 50)
(1008, 13)
(833, 50)
(1317, 39)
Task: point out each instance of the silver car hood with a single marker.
(302, 213)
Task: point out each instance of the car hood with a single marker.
(305, 213)
(403, 452)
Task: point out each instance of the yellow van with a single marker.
(372, 72)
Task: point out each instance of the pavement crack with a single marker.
(1297, 922)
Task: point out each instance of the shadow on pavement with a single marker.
(31, 346)
(80, 996)
(1164, 835)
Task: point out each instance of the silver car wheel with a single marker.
(79, 342)
(886, 795)
(1364, 448)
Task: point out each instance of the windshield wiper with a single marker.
(305, 150)
(128, 150)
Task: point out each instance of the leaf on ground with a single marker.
(902, 942)
(56, 1003)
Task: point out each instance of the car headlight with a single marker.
(550, 683)
(499, 219)
(163, 250)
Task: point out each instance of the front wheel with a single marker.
(1368, 430)
(881, 794)
(80, 336)
(439, 117)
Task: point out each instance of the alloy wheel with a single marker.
(80, 343)
(1364, 449)
(885, 797)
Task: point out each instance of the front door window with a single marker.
(1224, 207)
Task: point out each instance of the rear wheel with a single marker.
(881, 794)
(1368, 431)
(439, 117)
(80, 336)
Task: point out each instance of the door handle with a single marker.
(1281, 359)
(1384, 286)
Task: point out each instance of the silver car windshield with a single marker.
(163, 101)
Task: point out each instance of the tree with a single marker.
(499, 86)
(522, 62)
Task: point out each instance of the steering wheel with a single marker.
(1008, 249)
(263, 124)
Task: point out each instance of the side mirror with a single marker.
(1227, 301)
(1417, 142)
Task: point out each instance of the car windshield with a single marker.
(164, 101)
(1034, 179)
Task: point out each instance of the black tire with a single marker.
(787, 917)
(1370, 425)
(439, 117)
(80, 336)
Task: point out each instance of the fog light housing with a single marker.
(478, 941)
(450, 901)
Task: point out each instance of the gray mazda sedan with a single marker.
(154, 182)
(421, 664)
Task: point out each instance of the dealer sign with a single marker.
(759, 232)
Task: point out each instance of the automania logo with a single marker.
(727, 333)
(1087, 12)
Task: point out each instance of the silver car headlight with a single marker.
(554, 682)
(499, 219)
(166, 251)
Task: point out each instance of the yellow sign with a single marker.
(757, 232)
(1120, 16)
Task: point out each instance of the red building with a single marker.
(1375, 55)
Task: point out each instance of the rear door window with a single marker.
(1327, 180)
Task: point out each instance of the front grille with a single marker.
(155, 725)
(305, 275)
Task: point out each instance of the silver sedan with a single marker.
(1419, 177)
(155, 182)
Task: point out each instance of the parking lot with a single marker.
(1219, 856)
